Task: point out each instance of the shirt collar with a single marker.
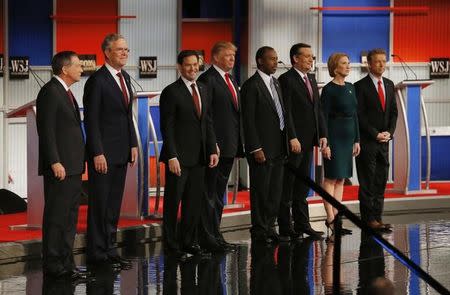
(303, 75)
(62, 82)
(375, 79)
(266, 78)
(112, 70)
(187, 82)
(221, 72)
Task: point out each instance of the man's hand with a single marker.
(296, 147)
(58, 171)
(174, 166)
(323, 142)
(326, 153)
(218, 150)
(134, 156)
(356, 149)
(259, 156)
(383, 136)
(213, 160)
(100, 164)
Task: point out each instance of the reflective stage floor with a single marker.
(303, 267)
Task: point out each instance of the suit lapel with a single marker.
(265, 91)
(184, 91)
(224, 86)
(302, 84)
(388, 96)
(67, 100)
(112, 81)
(374, 91)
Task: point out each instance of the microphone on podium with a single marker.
(403, 64)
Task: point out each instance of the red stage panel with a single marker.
(417, 37)
(82, 34)
(203, 35)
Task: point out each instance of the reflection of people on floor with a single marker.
(293, 261)
(104, 280)
(327, 271)
(263, 274)
(53, 286)
(371, 268)
(170, 285)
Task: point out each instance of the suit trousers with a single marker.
(187, 189)
(295, 192)
(265, 194)
(59, 222)
(105, 200)
(212, 205)
(372, 166)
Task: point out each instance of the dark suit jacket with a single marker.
(108, 121)
(372, 119)
(307, 123)
(190, 139)
(225, 116)
(260, 118)
(59, 129)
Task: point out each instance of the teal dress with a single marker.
(339, 107)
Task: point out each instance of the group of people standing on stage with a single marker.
(207, 122)
(111, 145)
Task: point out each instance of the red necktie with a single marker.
(196, 100)
(72, 98)
(308, 85)
(381, 95)
(233, 93)
(123, 87)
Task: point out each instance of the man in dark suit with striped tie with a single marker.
(266, 143)
(225, 110)
(111, 145)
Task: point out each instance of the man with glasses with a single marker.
(111, 145)
(306, 129)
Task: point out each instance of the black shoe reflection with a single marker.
(264, 276)
(104, 280)
(62, 286)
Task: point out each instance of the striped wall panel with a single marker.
(152, 33)
(17, 157)
(21, 92)
(280, 24)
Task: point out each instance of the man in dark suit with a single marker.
(111, 144)
(189, 145)
(377, 115)
(266, 144)
(224, 94)
(307, 129)
(61, 162)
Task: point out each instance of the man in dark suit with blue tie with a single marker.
(266, 143)
(61, 162)
(111, 145)
(306, 129)
(189, 145)
(225, 110)
(377, 116)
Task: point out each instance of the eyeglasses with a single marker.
(122, 50)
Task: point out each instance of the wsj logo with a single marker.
(439, 68)
(148, 67)
(19, 67)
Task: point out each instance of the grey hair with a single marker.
(110, 38)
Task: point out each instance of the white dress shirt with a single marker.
(375, 82)
(188, 85)
(114, 72)
(222, 74)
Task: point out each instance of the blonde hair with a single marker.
(222, 45)
(333, 62)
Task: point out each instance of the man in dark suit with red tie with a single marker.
(266, 143)
(377, 115)
(225, 110)
(61, 162)
(306, 129)
(189, 145)
(111, 145)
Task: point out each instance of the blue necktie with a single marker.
(276, 100)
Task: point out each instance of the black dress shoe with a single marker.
(193, 249)
(215, 248)
(289, 235)
(80, 274)
(119, 262)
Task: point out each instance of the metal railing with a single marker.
(343, 211)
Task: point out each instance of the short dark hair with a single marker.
(294, 50)
(186, 53)
(60, 60)
(375, 52)
(260, 53)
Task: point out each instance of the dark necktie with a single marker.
(232, 90)
(123, 88)
(381, 95)
(308, 85)
(196, 100)
(72, 98)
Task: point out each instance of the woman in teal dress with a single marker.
(339, 107)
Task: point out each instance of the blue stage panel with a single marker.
(31, 34)
(354, 31)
